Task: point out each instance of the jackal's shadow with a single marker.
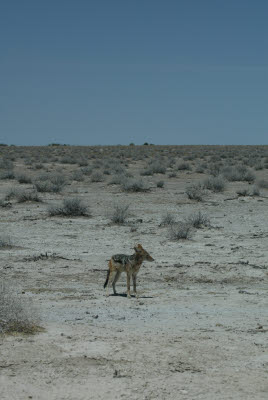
(132, 296)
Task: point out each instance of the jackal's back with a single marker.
(123, 259)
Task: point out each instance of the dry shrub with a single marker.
(195, 192)
(120, 213)
(180, 230)
(50, 183)
(25, 196)
(238, 173)
(134, 185)
(215, 184)
(23, 178)
(167, 219)
(263, 184)
(17, 315)
(73, 207)
(97, 177)
(198, 220)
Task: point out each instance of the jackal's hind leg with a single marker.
(118, 273)
(111, 279)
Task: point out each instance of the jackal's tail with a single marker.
(107, 279)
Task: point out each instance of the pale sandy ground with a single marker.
(197, 331)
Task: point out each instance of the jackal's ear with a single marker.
(138, 247)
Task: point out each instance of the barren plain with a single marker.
(198, 329)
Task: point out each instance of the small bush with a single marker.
(160, 184)
(72, 207)
(180, 230)
(195, 192)
(158, 167)
(5, 204)
(120, 214)
(22, 178)
(38, 166)
(6, 164)
(147, 172)
(117, 179)
(167, 219)
(184, 166)
(215, 183)
(197, 220)
(12, 193)
(238, 173)
(243, 192)
(78, 176)
(200, 169)
(97, 177)
(50, 183)
(7, 174)
(172, 175)
(68, 160)
(134, 185)
(16, 314)
(83, 162)
(263, 184)
(155, 167)
(255, 191)
(25, 196)
(214, 169)
(86, 170)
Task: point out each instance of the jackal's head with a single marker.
(143, 253)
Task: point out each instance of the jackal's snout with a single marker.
(149, 258)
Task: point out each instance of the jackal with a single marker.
(126, 263)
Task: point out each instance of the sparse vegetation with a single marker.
(195, 192)
(134, 185)
(50, 183)
(12, 193)
(180, 230)
(25, 195)
(78, 176)
(238, 173)
(7, 174)
(97, 177)
(72, 207)
(263, 184)
(160, 184)
(16, 314)
(243, 192)
(167, 219)
(198, 220)
(255, 191)
(184, 166)
(23, 178)
(120, 213)
(155, 167)
(214, 183)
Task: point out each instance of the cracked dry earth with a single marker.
(198, 329)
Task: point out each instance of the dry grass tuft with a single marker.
(17, 315)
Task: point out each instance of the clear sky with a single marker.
(119, 71)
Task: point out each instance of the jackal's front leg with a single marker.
(134, 277)
(128, 284)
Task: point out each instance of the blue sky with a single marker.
(121, 71)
